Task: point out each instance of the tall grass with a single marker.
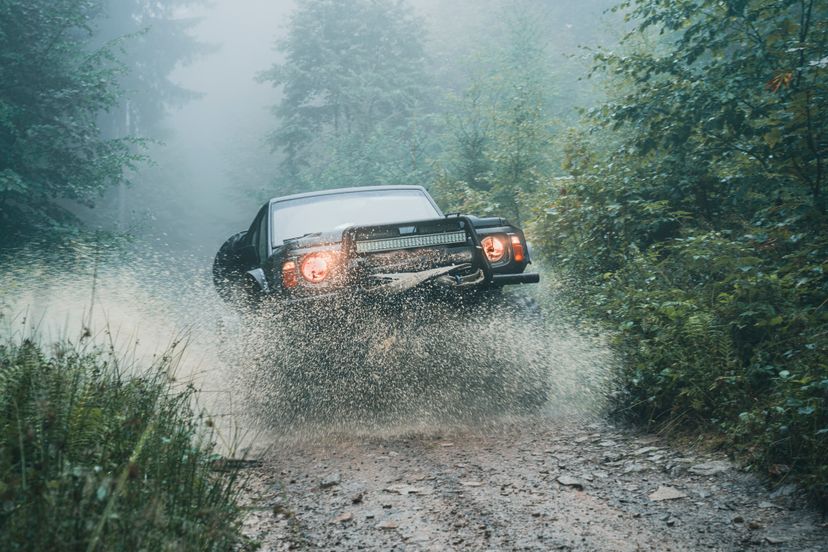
(92, 458)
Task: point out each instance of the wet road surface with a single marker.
(535, 484)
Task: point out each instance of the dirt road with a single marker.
(536, 484)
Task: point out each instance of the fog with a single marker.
(213, 167)
(216, 150)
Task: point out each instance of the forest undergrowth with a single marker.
(100, 454)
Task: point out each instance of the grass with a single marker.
(94, 459)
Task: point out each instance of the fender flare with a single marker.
(258, 278)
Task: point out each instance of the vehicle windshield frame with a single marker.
(309, 198)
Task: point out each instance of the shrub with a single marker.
(92, 459)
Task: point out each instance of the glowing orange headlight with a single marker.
(316, 267)
(494, 247)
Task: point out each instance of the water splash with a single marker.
(355, 369)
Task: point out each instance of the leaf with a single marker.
(773, 137)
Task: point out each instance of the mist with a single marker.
(213, 166)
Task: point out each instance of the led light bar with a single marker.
(391, 244)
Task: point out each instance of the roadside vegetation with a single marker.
(95, 455)
(694, 225)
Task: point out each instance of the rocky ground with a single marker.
(537, 484)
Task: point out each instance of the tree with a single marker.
(732, 103)
(500, 129)
(356, 95)
(155, 41)
(53, 85)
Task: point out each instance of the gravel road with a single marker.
(539, 483)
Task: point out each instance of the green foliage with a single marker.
(53, 85)
(499, 130)
(356, 96)
(91, 459)
(694, 224)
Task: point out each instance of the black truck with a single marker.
(373, 243)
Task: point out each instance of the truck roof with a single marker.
(336, 191)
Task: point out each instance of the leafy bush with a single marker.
(723, 329)
(694, 224)
(92, 459)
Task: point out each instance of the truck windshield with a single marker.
(324, 213)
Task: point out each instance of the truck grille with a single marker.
(409, 242)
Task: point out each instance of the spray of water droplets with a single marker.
(322, 370)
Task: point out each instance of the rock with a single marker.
(634, 467)
(784, 490)
(418, 537)
(666, 493)
(357, 498)
(611, 457)
(775, 540)
(343, 517)
(405, 490)
(471, 483)
(331, 481)
(671, 521)
(738, 519)
(677, 470)
(446, 444)
(568, 481)
(754, 525)
(645, 450)
(387, 525)
(767, 505)
(710, 468)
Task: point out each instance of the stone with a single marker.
(387, 525)
(713, 467)
(331, 481)
(666, 493)
(569, 481)
(405, 490)
(784, 490)
(634, 467)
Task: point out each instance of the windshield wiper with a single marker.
(308, 235)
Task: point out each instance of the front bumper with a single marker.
(444, 257)
(445, 285)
